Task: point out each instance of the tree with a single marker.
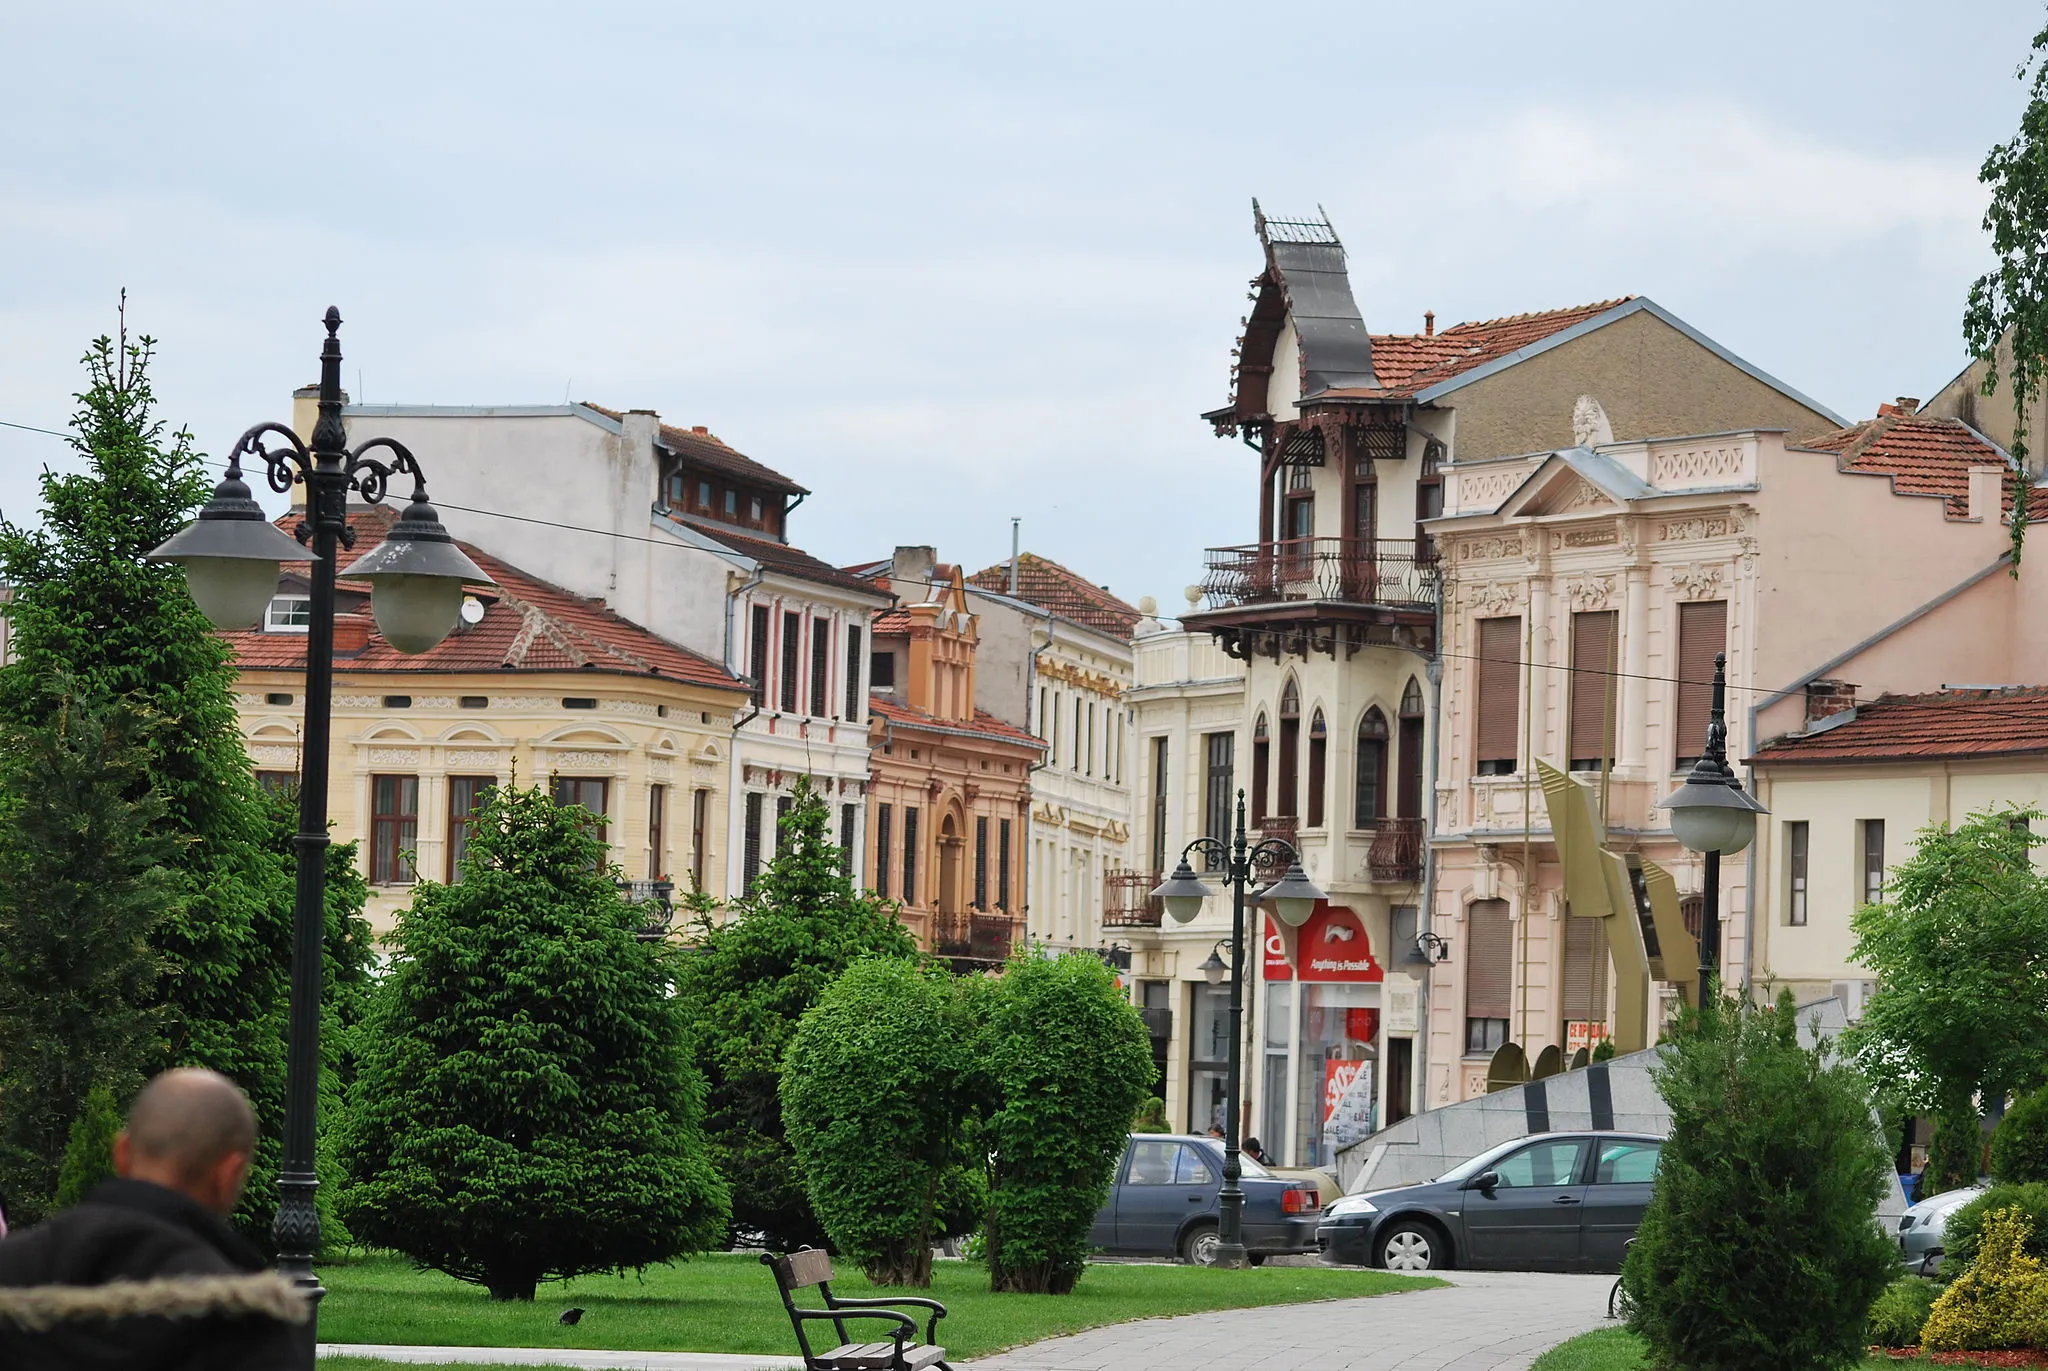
(1069, 1060)
(2008, 305)
(878, 1088)
(527, 1108)
(83, 886)
(2019, 1145)
(1960, 950)
(1758, 1252)
(749, 981)
(89, 1150)
(87, 608)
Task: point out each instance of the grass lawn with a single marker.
(728, 1303)
(1617, 1349)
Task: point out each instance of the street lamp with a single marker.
(1215, 969)
(231, 555)
(1293, 898)
(1712, 814)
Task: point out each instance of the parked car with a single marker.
(1163, 1204)
(1921, 1227)
(1548, 1202)
(1329, 1189)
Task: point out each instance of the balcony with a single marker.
(1127, 900)
(1397, 851)
(1285, 827)
(1320, 594)
(975, 937)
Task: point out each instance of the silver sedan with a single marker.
(1921, 1227)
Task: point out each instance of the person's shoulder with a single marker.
(95, 1242)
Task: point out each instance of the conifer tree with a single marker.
(89, 1151)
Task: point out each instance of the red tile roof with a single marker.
(985, 724)
(528, 625)
(1050, 586)
(1922, 456)
(790, 561)
(703, 448)
(1405, 363)
(891, 621)
(1945, 724)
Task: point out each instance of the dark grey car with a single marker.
(1550, 1202)
(1163, 1203)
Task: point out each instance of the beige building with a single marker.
(534, 685)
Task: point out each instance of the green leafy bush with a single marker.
(1959, 1236)
(2019, 1145)
(877, 1087)
(1151, 1117)
(1070, 1061)
(527, 1107)
(89, 1152)
(1757, 1252)
(1956, 1156)
(2000, 1301)
(1900, 1312)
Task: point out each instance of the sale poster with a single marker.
(1584, 1033)
(1347, 1103)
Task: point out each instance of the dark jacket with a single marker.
(138, 1277)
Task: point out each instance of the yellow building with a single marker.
(533, 684)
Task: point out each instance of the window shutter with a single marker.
(1702, 632)
(1585, 969)
(1592, 686)
(1500, 687)
(1489, 953)
(750, 870)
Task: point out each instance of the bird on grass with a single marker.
(571, 1316)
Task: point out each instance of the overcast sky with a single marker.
(946, 263)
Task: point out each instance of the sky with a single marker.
(951, 264)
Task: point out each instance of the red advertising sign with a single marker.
(1332, 947)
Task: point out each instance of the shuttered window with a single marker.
(821, 664)
(1318, 765)
(1159, 804)
(1290, 750)
(853, 663)
(792, 658)
(1219, 781)
(750, 870)
(1489, 953)
(980, 862)
(1261, 761)
(757, 654)
(849, 818)
(1702, 632)
(910, 854)
(1003, 865)
(1370, 802)
(1795, 872)
(1592, 689)
(1500, 692)
(1585, 969)
(884, 848)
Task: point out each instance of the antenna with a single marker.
(568, 386)
(1016, 524)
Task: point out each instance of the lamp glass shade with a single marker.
(1712, 828)
(414, 613)
(1213, 970)
(232, 592)
(1183, 893)
(1293, 897)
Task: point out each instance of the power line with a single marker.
(31, 428)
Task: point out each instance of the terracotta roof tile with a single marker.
(1052, 587)
(528, 625)
(1922, 456)
(790, 561)
(703, 448)
(892, 621)
(985, 724)
(1903, 728)
(1405, 363)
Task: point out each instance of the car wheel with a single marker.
(1198, 1245)
(1413, 1247)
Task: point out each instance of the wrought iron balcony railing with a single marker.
(982, 937)
(1397, 851)
(1127, 900)
(1400, 573)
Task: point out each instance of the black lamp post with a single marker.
(231, 556)
(1293, 898)
(1712, 814)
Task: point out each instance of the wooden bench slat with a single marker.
(880, 1356)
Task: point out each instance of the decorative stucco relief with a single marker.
(433, 701)
(394, 756)
(1697, 529)
(660, 768)
(1487, 488)
(1590, 592)
(1696, 464)
(248, 701)
(358, 702)
(1584, 496)
(286, 757)
(1488, 549)
(1697, 582)
(637, 708)
(1497, 598)
(1587, 537)
(486, 758)
(586, 761)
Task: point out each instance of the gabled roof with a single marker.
(778, 557)
(528, 625)
(702, 448)
(1943, 724)
(985, 725)
(1410, 362)
(1923, 456)
(1057, 590)
(1603, 472)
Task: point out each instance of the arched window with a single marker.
(1371, 803)
(1290, 750)
(1318, 763)
(1429, 498)
(1261, 751)
(1408, 802)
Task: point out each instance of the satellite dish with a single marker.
(1549, 1062)
(1509, 1067)
(472, 610)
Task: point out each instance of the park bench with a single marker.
(807, 1267)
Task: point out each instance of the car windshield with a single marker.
(1465, 1170)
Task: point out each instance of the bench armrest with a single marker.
(931, 1328)
(906, 1326)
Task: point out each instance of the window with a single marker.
(1318, 765)
(700, 835)
(1592, 692)
(910, 854)
(394, 828)
(280, 783)
(1408, 790)
(704, 495)
(1873, 861)
(1702, 633)
(1003, 865)
(1627, 1163)
(750, 860)
(476, 702)
(849, 817)
(677, 489)
(1218, 783)
(1261, 756)
(289, 614)
(593, 793)
(1290, 748)
(1159, 803)
(1499, 711)
(657, 838)
(465, 798)
(579, 702)
(821, 664)
(980, 862)
(754, 509)
(398, 702)
(1429, 498)
(792, 659)
(1585, 970)
(884, 854)
(1795, 873)
(1299, 514)
(1088, 756)
(1489, 954)
(757, 655)
(278, 697)
(853, 661)
(1370, 803)
(732, 504)
(882, 671)
(1545, 1165)
(1074, 760)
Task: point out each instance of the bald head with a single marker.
(193, 1131)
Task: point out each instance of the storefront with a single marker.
(1319, 1030)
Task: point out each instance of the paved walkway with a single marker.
(1486, 1321)
(563, 1356)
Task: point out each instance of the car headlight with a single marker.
(1349, 1205)
(1905, 1222)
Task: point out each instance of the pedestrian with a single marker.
(146, 1272)
(1254, 1151)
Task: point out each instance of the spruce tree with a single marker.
(746, 984)
(527, 1107)
(89, 1151)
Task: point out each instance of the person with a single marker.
(1254, 1151)
(146, 1272)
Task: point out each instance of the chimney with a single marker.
(700, 430)
(1429, 323)
(1987, 493)
(912, 566)
(305, 413)
(351, 634)
(1907, 405)
(1825, 699)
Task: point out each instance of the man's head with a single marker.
(191, 1131)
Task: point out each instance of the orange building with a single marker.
(949, 793)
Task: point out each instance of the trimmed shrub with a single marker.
(877, 1087)
(1959, 1236)
(2019, 1145)
(89, 1151)
(2001, 1301)
(1070, 1060)
(1757, 1252)
(1901, 1312)
(1151, 1117)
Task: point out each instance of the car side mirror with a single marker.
(1484, 1182)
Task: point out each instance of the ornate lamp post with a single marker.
(1712, 814)
(231, 555)
(1293, 898)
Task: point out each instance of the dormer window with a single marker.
(288, 614)
(754, 509)
(704, 496)
(732, 504)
